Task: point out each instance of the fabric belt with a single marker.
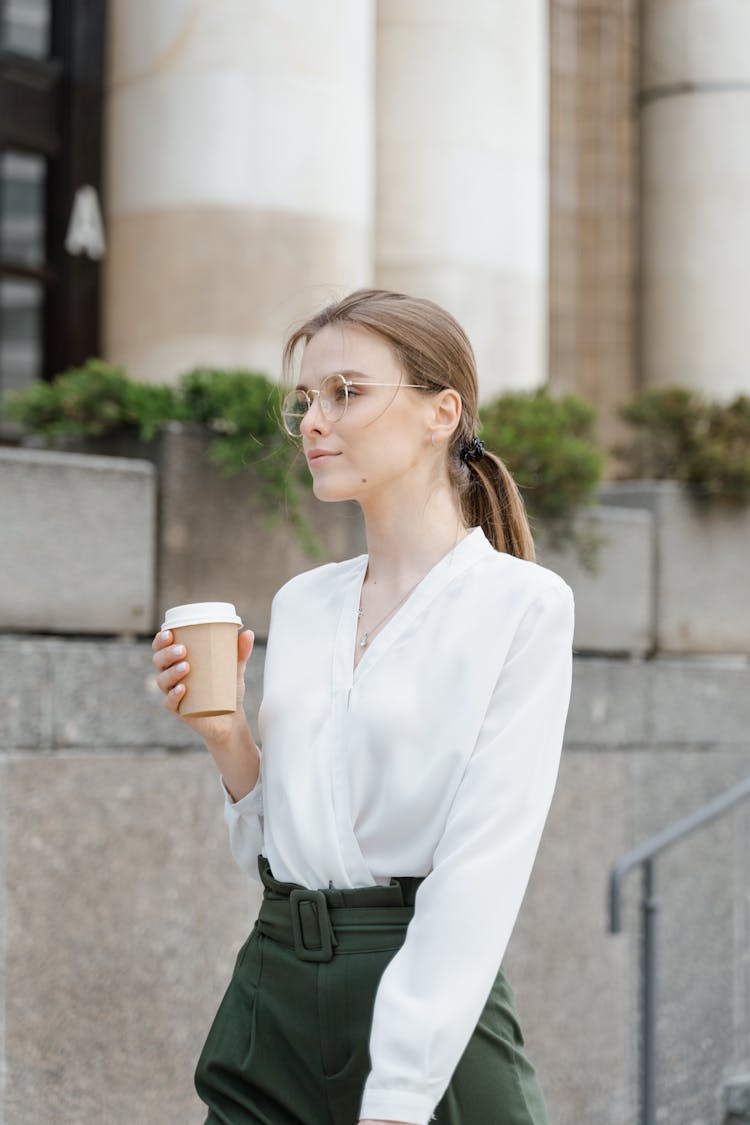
(318, 922)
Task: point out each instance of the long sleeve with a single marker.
(244, 819)
(432, 993)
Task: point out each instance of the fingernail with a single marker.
(177, 689)
(181, 666)
(165, 635)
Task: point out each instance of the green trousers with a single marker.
(290, 1042)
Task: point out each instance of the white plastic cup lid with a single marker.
(201, 613)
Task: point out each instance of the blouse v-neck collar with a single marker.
(472, 547)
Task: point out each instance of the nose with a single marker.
(314, 420)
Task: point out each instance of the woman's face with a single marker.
(385, 432)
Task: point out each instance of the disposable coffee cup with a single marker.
(208, 630)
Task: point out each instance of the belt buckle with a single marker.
(318, 899)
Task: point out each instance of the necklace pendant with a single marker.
(363, 642)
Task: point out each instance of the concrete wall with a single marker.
(610, 568)
(700, 577)
(122, 909)
(77, 542)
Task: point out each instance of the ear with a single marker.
(446, 412)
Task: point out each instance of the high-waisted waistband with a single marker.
(317, 923)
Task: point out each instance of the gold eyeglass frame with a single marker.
(347, 383)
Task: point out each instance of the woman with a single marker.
(412, 720)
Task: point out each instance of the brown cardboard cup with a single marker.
(208, 630)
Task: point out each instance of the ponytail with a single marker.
(490, 500)
(493, 502)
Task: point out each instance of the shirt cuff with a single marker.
(397, 1105)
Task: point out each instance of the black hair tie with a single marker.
(472, 450)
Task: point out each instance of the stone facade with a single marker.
(122, 910)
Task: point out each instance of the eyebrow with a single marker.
(357, 374)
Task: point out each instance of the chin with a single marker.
(329, 493)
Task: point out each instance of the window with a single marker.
(25, 28)
(22, 245)
(21, 308)
(51, 79)
(22, 207)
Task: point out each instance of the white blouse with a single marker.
(437, 756)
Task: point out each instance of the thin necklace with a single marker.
(373, 628)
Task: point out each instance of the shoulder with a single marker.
(519, 581)
(522, 603)
(514, 598)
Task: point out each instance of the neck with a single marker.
(405, 541)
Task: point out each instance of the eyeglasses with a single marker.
(334, 399)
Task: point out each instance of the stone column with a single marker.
(695, 247)
(461, 201)
(240, 175)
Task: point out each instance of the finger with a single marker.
(166, 657)
(245, 647)
(245, 643)
(173, 697)
(164, 637)
(167, 680)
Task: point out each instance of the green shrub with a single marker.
(680, 435)
(549, 446)
(91, 401)
(240, 409)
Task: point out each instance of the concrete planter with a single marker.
(701, 573)
(615, 601)
(213, 541)
(78, 542)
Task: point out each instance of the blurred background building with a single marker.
(567, 176)
(181, 181)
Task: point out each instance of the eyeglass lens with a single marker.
(333, 402)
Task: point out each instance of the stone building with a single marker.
(566, 176)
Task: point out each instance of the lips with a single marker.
(315, 454)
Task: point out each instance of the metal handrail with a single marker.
(644, 855)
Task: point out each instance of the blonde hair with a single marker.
(435, 352)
